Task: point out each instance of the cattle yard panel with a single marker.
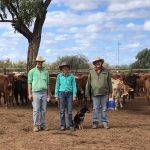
(15, 70)
(79, 71)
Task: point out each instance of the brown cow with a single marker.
(147, 86)
(140, 84)
(20, 89)
(52, 85)
(6, 87)
(81, 84)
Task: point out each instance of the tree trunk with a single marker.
(33, 52)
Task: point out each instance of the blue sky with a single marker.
(86, 27)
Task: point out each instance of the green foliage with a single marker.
(8, 64)
(75, 62)
(143, 60)
(24, 10)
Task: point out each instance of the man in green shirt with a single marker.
(100, 87)
(39, 93)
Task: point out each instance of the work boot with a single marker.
(105, 126)
(72, 129)
(62, 129)
(95, 125)
(35, 129)
(42, 128)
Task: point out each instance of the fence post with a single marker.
(4, 70)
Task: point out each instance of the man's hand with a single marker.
(74, 98)
(56, 98)
(30, 97)
(48, 98)
(57, 101)
(110, 95)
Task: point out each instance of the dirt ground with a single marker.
(130, 130)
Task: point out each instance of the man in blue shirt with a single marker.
(65, 90)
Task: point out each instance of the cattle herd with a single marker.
(13, 88)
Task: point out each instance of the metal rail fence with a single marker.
(80, 71)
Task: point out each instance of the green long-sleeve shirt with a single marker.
(98, 84)
(38, 79)
(65, 84)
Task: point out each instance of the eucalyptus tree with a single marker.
(27, 17)
(142, 60)
(75, 61)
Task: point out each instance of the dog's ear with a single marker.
(85, 106)
(88, 111)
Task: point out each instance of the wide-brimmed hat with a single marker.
(40, 58)
(98, 59)
(64, 64)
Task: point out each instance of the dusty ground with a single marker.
(130, 130)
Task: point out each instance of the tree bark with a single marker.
(33, 49)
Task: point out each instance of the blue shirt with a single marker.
(65, 84)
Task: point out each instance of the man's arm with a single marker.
(57, 86)
(74, 88)
(30, 92)
(88, 86)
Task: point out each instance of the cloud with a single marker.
(51, 52)
(79, 4)
(6, 26)
(134, 27)
(147, 26)
(11, 34)
(131, 46)
(124, 5)
(130, 25)
(67, 18)
(62, 37)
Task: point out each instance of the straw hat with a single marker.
(98, 59)
(63, 64)
(40, 58)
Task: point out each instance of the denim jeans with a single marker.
(65, 102)
(39, 104)
(100, 106)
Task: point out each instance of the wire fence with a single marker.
(80, 71)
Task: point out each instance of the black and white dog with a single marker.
(79, 117)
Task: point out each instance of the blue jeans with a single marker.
(100, 106)
(65, 102)
(39, 104)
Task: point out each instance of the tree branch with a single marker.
(20, 27)
(40, 19)
(6, 21)
(14, 10)
(11, 12)
(2, 19)
(46, 4)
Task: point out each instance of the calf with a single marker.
(6, 87)
(130, 80)
(20, 89)
(147, 86)
(120, 93)
(81, 83)
(52, 84)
